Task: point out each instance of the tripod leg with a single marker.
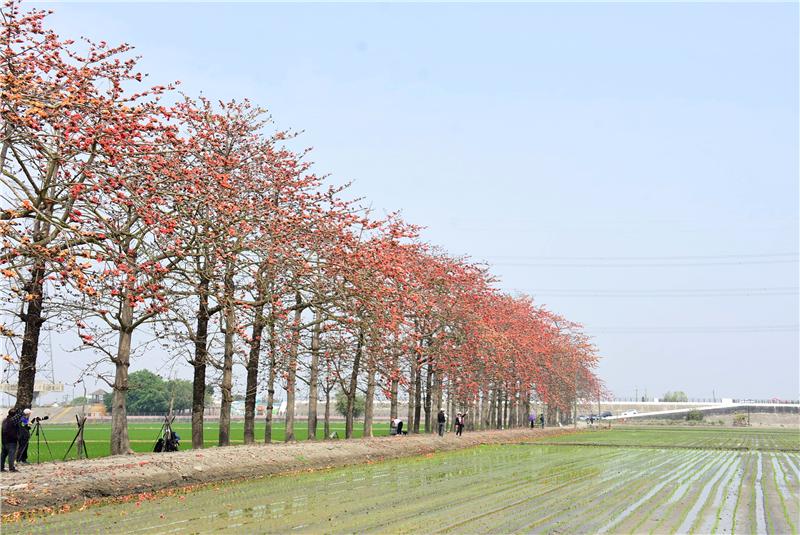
(70, 447)
(47, 444)
(161, 432)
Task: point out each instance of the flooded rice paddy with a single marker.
(774, 439)
(490, 489)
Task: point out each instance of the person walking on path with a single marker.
(10, 436)
(541, 420)
(532, 419)
(442, 419)
(396, 427)
(459, 424)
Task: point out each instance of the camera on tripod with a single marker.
(38, 431)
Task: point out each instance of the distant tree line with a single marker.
(675, 396)
(150, 393)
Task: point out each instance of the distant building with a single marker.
(97, 396)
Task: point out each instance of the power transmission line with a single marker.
(695, 329)
(644, 264)
(618, 258)
(691, 292)
(646, 261)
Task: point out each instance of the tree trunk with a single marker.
(484, 409)
(506, 410)
(526, 403)
(291, 372)
(491, 422)
(370, 398)
(471, 412)
(439, 391)
(551, 415)
(251, 391)
(393, 390)
(199, 365)
(353, 387)
(30, 339)
(428, 386)
(271, 377)
(313, 378)
(227, 361)
(452, 408)
(418, 398)
(574, 415)
(498, 406)
(327, 422)
(120, 442)
(512, 410)
(412, 382)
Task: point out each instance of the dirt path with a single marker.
(52, 485)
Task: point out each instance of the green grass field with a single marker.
(143, 436)
(515, 488)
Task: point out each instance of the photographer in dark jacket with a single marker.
(441, 419)
(10, 435)
(24, 437)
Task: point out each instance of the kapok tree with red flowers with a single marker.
(65, 114)
(130, 206)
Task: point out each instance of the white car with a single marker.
(632, 412)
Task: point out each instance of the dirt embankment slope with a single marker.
(56, 484)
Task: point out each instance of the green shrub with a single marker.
(740, 420)
(694, 416)
(341, 405)
(675, 396)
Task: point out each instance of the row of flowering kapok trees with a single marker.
(125, 218)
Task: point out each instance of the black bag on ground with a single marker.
(172, 442)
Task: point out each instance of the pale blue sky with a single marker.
(517, 132)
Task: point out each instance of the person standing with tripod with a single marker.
(24, 437)
(10, 436)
